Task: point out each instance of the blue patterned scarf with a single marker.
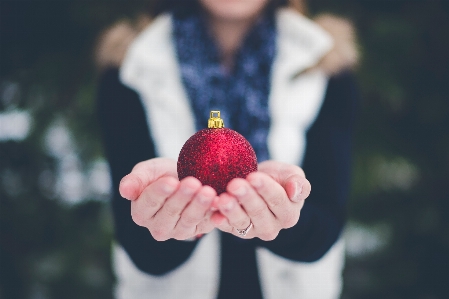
(242, 94)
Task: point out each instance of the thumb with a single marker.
(297, 187)
(145, 173)
(290, 177)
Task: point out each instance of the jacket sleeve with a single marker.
(127, 141)
(327, 164)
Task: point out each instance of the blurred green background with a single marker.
(55, 226)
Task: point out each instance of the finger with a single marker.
(297, 188)
(237, 218)
(285, 211)
(265, 223)
(290, 177)
(130, 187)
(205, 226)
(152, 199)
(195, 211)
(279, 170)
(143, 174)
(220, 221)
(169, 214)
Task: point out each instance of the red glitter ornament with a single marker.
(216, 155)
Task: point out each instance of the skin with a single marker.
(229, 21)
(271, 198)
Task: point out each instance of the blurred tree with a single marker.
(402, 151)
(51, 247)
(54, 248)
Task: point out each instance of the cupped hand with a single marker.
(169, 208)
(270, 199)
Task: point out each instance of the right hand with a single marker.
(169, 208)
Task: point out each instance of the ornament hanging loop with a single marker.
(215, 122)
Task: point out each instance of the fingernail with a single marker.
(228, 206)
(187, 190)
(256, 183)
(298, 191)
(168, 188)
(240, 191)
(204, 200)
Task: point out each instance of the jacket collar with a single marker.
(151, 68)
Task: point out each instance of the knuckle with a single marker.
(151, 202)
(171, 211)
(276, 201)
(180, 236)
(290, 220)
(159, 234)
(242, 224)
(203, 228)
(258, 212)
(138, 218)
(225, 228)
(188, 221)
(269, 235)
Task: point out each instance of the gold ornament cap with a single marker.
(215, 122)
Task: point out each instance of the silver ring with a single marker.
(243, 232)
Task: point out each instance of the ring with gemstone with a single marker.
(243, 232)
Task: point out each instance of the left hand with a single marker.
(271, 199)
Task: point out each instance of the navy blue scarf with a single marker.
(242, 94)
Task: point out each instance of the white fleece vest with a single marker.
(151, 68)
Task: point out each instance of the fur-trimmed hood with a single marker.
(113, 43)
(344, 53)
